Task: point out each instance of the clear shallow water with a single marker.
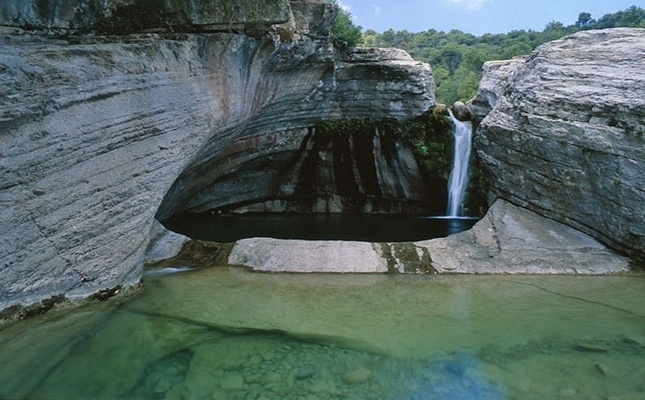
(364, 227)
(231, 334)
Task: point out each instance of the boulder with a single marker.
(492, 85)
(164, 244)
(565, 134)
(461, 111)
(275, 255)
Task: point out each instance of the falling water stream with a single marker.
(458, 181)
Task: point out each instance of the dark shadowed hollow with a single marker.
(360, 227)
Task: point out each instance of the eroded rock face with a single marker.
(566, 134)
(124, 16)
(492, 86)
(302, 170)
(513, 240)
(94, 133)
(278, 162)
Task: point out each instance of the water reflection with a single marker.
(361, 227)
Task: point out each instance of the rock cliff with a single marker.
(564, 133)
(125, 16)
(96, 131)
(301, 170)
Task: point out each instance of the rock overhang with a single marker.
(97, 129)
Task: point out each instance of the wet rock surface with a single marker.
(513, 240)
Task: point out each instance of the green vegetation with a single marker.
(344, 28)
(457, 57)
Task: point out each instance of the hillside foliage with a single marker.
(457, 57)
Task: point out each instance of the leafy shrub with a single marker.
(344, 28)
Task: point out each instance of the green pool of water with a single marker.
(228, 333)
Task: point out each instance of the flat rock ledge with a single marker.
(508, 240)
(514, 240)
(275, 255)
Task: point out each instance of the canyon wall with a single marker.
(126, 16)
(96, 130)
(564, 133)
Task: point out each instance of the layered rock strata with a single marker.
(95, 130)
(564, 133)
(123, 16)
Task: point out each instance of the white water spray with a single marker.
(458, 181)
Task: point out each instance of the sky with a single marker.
(476, 16)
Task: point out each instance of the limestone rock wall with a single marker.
(307, 85)
(304, 171)
(566, 133)
(278, 161)
(95, 130)
(91, 137)
(148, 14)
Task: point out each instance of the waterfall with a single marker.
(459, 175)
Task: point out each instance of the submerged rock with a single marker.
(591, 348)
(458, 378)
(162, 375)
(605, 370)
(357, 375)
(232, 382)
(306, 371)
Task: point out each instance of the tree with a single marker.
(345, 30)
(584, 20)
(451, 57)
(370, 38)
